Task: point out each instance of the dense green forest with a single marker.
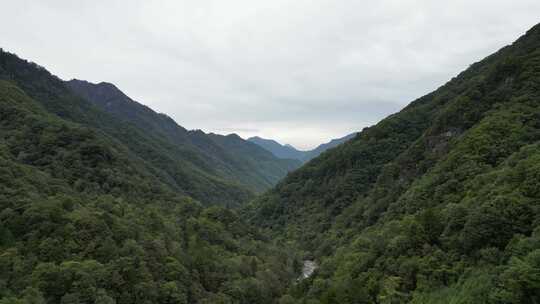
(84, 219)
(193, 163)
(439, 203)
(229, 157)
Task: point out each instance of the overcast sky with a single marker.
(300, 72)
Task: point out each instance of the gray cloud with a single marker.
(298, 71)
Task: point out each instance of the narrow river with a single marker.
(308, 268)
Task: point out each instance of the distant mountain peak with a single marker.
(234, 135)
(287, 151)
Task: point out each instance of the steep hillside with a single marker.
(212, 176)
(83, 219)
(438, 203)
(228, 156)
(289, 152)
(323, 147)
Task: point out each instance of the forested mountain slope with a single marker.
(227, 156)
(83, 219)
(180, 168)
(326, 146)
(190, 161)
(439, 203)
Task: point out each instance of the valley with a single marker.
(104, 200)
(289, 152)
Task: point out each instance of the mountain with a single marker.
(193, 162)
(438, 203)
(279, 150)
(226, 156)
(289, 152)
(180, 167)
(90, 213)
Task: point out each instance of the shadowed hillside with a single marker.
(228, 157)
(438, 203)
(86, 219)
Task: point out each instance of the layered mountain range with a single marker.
(201, 165)
(289, 152)
(226, 157)
(102, 200)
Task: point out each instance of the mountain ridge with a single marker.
(287, 151)
(438, 203)
(83, 219)
(435, 203)
(245, 163)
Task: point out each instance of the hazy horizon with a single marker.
(301, 73)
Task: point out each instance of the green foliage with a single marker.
(438, 203)
(83, 220)
(212, 169)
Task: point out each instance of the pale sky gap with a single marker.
(300, 72)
